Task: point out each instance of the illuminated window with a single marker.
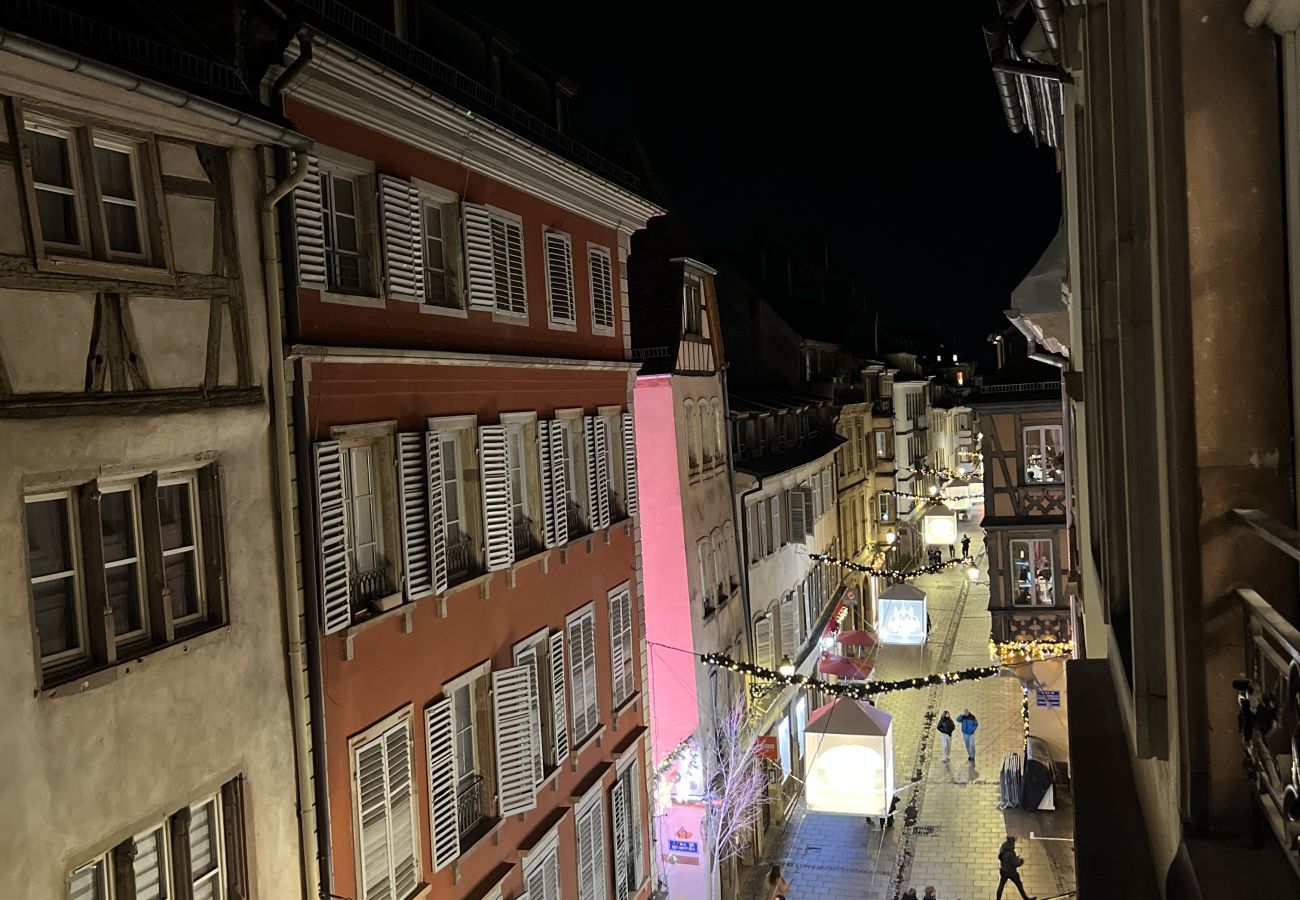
(1033, 575)
(1044, 455)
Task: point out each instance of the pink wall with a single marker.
(674, 705)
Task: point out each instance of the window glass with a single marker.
(115, 168)
(783, 745)
(87, 883)
(150, 866)
(205, 862)
(362, 514)
(180, 550)
(121, 562)
(1044, 455)
(342, 246)
(466, 752)
(54, 576)
(1033, 574)
(56, 201)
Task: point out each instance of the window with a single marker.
(196, 853)
(602, 290)
(581, 627)
(883, 450)
(575, 477)
(764, 524)
(883, 500)
(459, 546)
(800, 721)
(559, 278)
(364, 516)
(693, 307)
(702, 558)
(344, 264)
(62, 156)
(545, 653)
(383, 808)
(93, 551)
(1033, 575)
(629, 841)
(622, 649)
(590, 826)
(519, 491)
(778, 533)
(706, 433)
(494, 260)
(783, 746)
(719, 441)
(751, 534)
(438, 220)
(542, 870)
(1044, 455)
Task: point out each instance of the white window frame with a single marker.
(217, 874)
(119, 144)
(538, 858)
(783, 749)
(510, 316)
(448, 205)
(622, 695)
(1042, 431)
(553, 320)
(133, 488)
(536, 650)
(468, 679)
(164, 856)
(1035, 594)
(66, 132)
(190, 479)
(575, 466)
(407, 715)
(582, 686)
(693, 305)
(362, 174)
(77, 573)
(596, 252)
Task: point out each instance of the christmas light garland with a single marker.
(685, 746)
(937, 472)
(897, 574)
(928, 498)
(852, 690)
(1024, 712)
(1009, 652)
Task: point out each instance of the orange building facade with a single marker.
(464, 448)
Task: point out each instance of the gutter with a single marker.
(68, 61)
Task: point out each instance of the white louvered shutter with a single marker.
(309, 228)
(535, 883)
(508, 257)
(629, 463)
(403, 232)
(602, 289)
(550, 450)
(335, 584)
(618, 809)
(789, 625)
(559, 710)
(480, 272)
(798, 522)
(618, 661)
(498, 512)
(591, 853)
(582, 673)
(763, 650)
(810, 514)
(440, 746)
(535, 705)
(559, 277)
(589, 671)
(413, 502)
(87, 883)
(513, 715)
(597, 471)
(401, 809)
(372, 802)
(437, 511)
(552, 869)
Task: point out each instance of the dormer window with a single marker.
(693, 307)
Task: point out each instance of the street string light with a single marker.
(937, 472)
(899, 574)
(928, 498)
(853, 691)
(1011, 652)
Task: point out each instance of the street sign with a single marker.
(1049, 698)
(675, 846)
(766, 747)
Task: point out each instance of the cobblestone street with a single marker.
(948, 827)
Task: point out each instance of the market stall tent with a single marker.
(901, 611)
(849, 745)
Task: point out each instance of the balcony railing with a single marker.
(577, 526)
(469, 804)
(371, 585)
(525, 543)
(1022, 388)
(1268, 718)
(460, 560)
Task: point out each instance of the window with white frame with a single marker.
(885, 507)
(385, 823)
(602, 289)
(751, 534)
(693, 306)
(494, 260)
(110, 569)
(626, 828)
(589, 822)
(560, 305)
(542, 870)
(344, 198)
(801, 721)
(195, 853)
(581, 628)
(764, 526)
(1033, 573)
(458, 542)
(783, 746)
(1044, 455)
(438, 225)
(62, 154)
(544, 652)
(622, 649)
(779, 533)
(518, 444)
(575, 472)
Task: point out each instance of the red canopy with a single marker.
(856, 639)
(846, 667)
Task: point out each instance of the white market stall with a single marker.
(939, 525)
(850, 752)
(901, 615)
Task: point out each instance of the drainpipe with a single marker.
(301, 625)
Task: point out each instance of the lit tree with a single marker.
(738, 788)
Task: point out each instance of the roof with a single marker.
(1022, 379)
(851, 717)
(810, 450)
(902, 591)
(760, 400)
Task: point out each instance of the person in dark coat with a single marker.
(965, 545)
(945, 728)
(910, 895)
(1008, 864)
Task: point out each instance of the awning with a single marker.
(1038, 309)
(856, 639)
(846, 667)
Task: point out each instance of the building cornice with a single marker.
(362, 355)
(341, 81)
(1283, 16)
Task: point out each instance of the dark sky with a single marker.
(876, 127)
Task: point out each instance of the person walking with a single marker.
(945, 728)
(965, 545)
(930, 893)
(968, 724)
(910, 895)
(1008, 864)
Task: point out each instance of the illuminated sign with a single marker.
(940, 529)
(901, 620)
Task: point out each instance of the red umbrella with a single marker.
(846, 667)
(856, 639)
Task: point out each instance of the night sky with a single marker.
(876, 129)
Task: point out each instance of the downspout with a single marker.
(301, 618)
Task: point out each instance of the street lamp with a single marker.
(786, 668)
(933, 490)
(890, 536)
(973, 573)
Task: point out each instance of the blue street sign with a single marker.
(1049, 698)
(683, 846)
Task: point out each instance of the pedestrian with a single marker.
(777, 886)
(910, 895)
(946, 727)
(1008, 863)
(952, 551)
(968, 724)
(965, 546)
(930, 893)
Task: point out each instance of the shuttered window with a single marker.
(559, 709)
(602, 290)
(764, 651)
(494, 260)
(798, 519)
(629, 465)
(597, 445)
(542, 872)
(622, 653)
(559, 278)
(498, 503)
(384, 804)
(88, 883)
(789, 614)
(590, 826)
(309, 228)
(626, 827)
(414, 481)
(574, 475)
(440, 747)
(401, 214)
(515, 727)
(778, 538)
(331, 532)
(550, 452)
(810, 514)
(581, 627)
(534, 657)
(342, 195)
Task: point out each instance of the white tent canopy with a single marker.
(850, 752)
(939, 525)
(900, 613)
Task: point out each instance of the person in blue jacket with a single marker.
(968, 724)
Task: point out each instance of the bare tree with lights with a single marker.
(737, 788)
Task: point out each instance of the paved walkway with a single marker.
(948, 827)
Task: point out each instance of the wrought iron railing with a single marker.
(460, 559)
(1268, 715)
(371, 584)
(469, 803)
(577, 525)
(1022, 388)
(525, 543)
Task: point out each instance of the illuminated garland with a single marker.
(936, 498)
(897, 574)
(1008, 652)
(852, 690)
(1024, 712)
(686, 745)
(937, 472)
